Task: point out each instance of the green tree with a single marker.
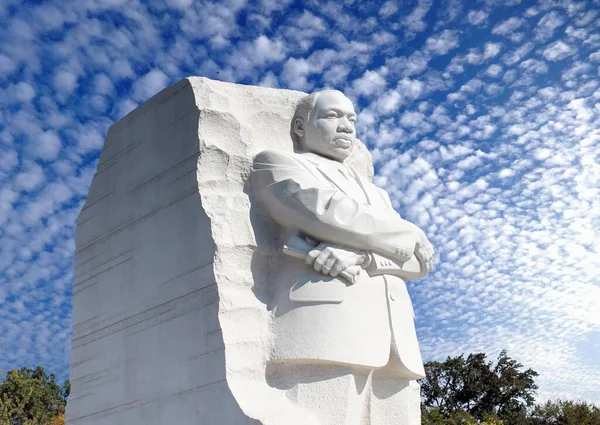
(434, 417)
(482, 390)
(563, 412)
(31, 397)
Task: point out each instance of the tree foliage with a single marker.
(433, 416)
(59, 420)
(473, 391)
(482, 390)
(563, 412)
(31, 397)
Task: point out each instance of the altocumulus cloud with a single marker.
(483, 120)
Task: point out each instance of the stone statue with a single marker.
(208, 290)
(344, 344)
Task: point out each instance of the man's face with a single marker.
(330, 128)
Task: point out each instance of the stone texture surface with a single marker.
(170, 296)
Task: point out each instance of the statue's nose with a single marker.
(345, 126)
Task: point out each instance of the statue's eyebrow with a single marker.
(338, 110)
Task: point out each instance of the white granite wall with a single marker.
(170, 297)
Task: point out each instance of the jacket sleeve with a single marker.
(301, 202)
(409, 270)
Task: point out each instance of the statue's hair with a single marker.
(303, 109)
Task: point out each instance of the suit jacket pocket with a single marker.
(313, 289)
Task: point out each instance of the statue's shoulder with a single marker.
(271, 156)
(278, 158)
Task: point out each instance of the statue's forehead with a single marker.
(333, 99)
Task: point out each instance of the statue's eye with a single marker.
(331, 114)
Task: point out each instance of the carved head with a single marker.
(324, 123)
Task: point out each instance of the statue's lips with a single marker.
(343, 142)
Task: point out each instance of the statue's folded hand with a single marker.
(425, 254)
(332, 259)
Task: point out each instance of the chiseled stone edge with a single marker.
(223, 170)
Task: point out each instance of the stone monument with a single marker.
(235, 265)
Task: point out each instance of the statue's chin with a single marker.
(341, 153)
(337, 150)
(336, 156)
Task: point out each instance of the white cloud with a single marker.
(542, 154)
(124, 107)
(508, 27)
(558, 51)
(49, 17)
(31, 178)
(45, 146)
(21, 29)
(65, 82)
(250, 55)
(411, 88)
(412, 119)
(295, 73)
(303, 31)
(269, 6)
(103, 84)
(370, 83)
(415, 22)
(505, 173)
(7, 66)
(442, 43)
(546, 26)
(149, 84)
(388, 9)
(389, 102)
(384, 38)
(477, 17)
(534, 65)
(179, 4)
(336, 74)
(269, 80)
(7, 199)
(469, 162)
(88, 139)
(9, 159)
(121, 69)
(493, 70)
(21, 92)
(264, 50)
(512, 57)
(408, 66)
(491, 50)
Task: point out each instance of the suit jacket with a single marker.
(326, 319)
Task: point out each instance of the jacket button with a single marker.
(393, 296)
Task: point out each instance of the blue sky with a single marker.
(483, 118)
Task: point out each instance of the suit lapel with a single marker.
(329, 172)
(363, 186)
(374, 193)
(333, 174)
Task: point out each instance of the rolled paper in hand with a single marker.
(299, 248)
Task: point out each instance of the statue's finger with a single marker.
(328, 265)
(337, 268)
(311, 256)
(320, 260)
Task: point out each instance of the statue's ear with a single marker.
(299, 126)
